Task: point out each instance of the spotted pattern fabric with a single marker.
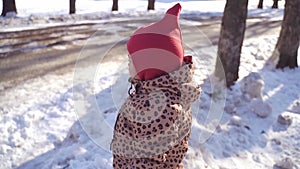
(153, 125)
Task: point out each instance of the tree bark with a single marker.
(260, 4)
(231, 40)
(8, 6)
(151, 5)
(72, 6)
(288, 41)
(275, 4)
(115, 5)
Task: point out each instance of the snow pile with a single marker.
(284, 119)
(296, 107)
(260, 108)
(252, 85)
(34, 118)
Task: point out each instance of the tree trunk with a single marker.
(115, 5)
(275, 4)
(151, 4)
(72, 6)
(8, 6)
(288, 41)
(260, 4)
(231, 40)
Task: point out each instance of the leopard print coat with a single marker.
(157, 116)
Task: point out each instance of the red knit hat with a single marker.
(157, 49)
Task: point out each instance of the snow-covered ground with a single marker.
(39, 126)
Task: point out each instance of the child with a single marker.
(153, 125)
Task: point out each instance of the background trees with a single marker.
(151, 4)
(72, 7)
(260, 4)
(288, 42)
(115, 5)
(232, 33)
(8, 6)
(275, 4)
(231, 40)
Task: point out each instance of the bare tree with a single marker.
(8, 6)
(231, 40)
(288, 41)
(275, 4)
(115, 5)
(72, 6)
(260, 4)
(151, 4)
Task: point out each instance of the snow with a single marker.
(252, 85)
(65, 120)
(260, 108)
